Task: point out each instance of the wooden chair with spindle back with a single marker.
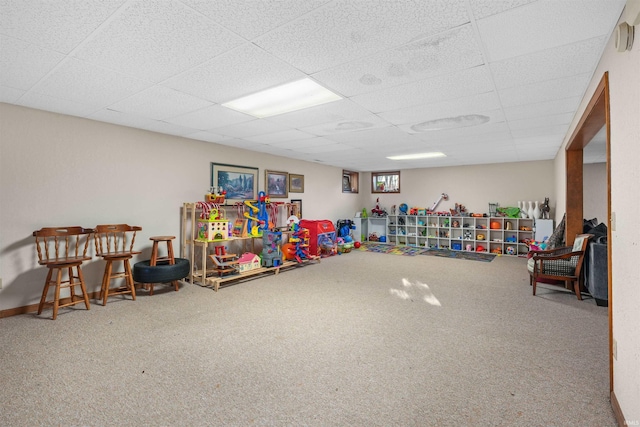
(114, 242)
(63, 249)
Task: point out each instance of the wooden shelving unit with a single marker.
(197, 251)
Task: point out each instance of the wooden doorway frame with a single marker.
(595, 116)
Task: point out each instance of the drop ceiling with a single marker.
(504, 77)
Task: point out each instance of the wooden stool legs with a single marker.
(154, 257)
(109, 275)
(59, 283)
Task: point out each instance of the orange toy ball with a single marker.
(356, 245)
(288, 251)
(495, 225)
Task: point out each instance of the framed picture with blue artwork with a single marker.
(276, 184)
(240, 182)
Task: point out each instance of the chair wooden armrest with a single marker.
(552, 252)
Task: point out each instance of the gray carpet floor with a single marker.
(360, 339)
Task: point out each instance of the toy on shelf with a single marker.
(443, 196)
(215, 228)
(403, 209)
(271, 248)
(493, 209)
(459, 210)
(263, 216)
(258, 219)
(377, 211)
(545, 209)
(509, 212)
(224, 263)
(248, 261)
(215, 196)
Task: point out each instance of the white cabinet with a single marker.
(461, 233)
(543, 229)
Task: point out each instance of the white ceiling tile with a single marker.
(369, 122)
(167, 128)
(23, 64)
(452, 50)
(241, 143)
(242, 71)
(542, 121)
(269, 149)
(55, 25)
(10, 95)
(159, 102)
(539, 140)
(563, 61)
(211, 117)
(542, 131)
(346, 30)
(155, 40)
(454, 107)
(484, 8)
(479, 122)
(57, 105)
(283, 136)
(494, 130)
(556, 106)
(330, 148)
(208, 136)
(545, 24)
(341, 110)
(123, 119)
(250, 18)
(250, 128)
(536, 153)
(455, 85)
(378, 136)
(549, 90)
(298, 143)
(75, 80)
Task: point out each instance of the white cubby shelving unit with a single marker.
(453, 232)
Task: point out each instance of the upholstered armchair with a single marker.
(561, 266)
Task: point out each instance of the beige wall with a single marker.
(625, 204)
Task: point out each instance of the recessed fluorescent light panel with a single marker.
(282, 99)
(417, 156)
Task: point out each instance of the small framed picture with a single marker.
(296, 208)
(296, 183)
(276, 184)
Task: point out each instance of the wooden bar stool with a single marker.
(114, 242)
(170, 259)
(63, 249)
